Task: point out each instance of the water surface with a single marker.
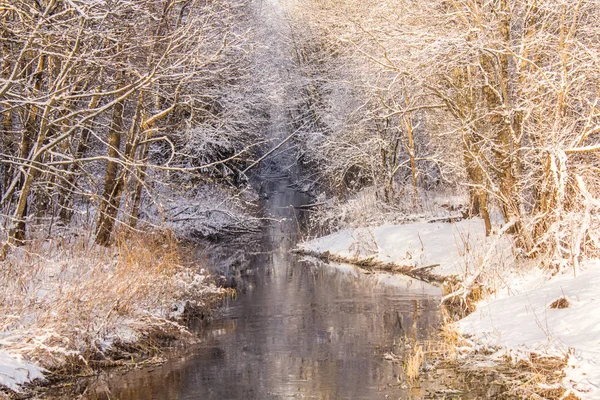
(298, 328)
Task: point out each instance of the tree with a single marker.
(509, 86)
(90, 87)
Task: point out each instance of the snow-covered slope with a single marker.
(525, 322)
(452, 247)
(518, 319)
(14, 371)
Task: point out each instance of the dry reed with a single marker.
(69, 305)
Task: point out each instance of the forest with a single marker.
(135, 131)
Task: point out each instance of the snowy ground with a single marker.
(14, 371)
(525, 322)
(517, 319)
(70, 302)
(445, 249)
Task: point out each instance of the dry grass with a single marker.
(560, 303)
(536, 377)
(70, 305)
(458, 307)
(413, 363)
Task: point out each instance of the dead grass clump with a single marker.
(459, 306)
(69, 305)
(532, 377)
(535, 377)
(560, 303)
(413, 363)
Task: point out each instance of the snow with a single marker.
(208, 211)
(15, 372)
(525, 323)
(73, 298)
(417, 245)
(517, 319)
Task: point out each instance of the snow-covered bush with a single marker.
(70, 304)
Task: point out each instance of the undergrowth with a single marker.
(71, 306)
(368, 208)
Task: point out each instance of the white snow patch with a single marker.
(518, 319)
(525, 323)
(14, 371)
(454, 246)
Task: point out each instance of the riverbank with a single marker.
(513, 312)
(70, 307)
(435, 251)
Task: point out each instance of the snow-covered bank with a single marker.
(442, 249)
(14, 371)
(534, 319)
(70, 306)
(524, 313)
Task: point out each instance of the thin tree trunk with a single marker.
(7, 124)
(16, 234)
(115, 181)
(506, 144)
(140, 178)
(108, 210)
(147, 131)
(410, 148)
(475, 174)
(473, 159)
(65, 200)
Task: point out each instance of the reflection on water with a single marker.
(298, 329)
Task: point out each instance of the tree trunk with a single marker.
(115, 181)
(16, 234)
(108, 203)
(478, 194)
(467, 102)
(147, 131)
(410, 148)
(7, 124)
(498, 93)
(139, 185)
(65, 200)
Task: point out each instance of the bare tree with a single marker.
(89, 88)
(509, 86)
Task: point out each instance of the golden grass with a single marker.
(560, 303)
(413, 363)
(458, 307)
(534, 378)
(70, 305)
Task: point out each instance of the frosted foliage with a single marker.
(498, 97)
(75, 301)
(211, 211)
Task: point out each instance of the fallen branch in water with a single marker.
(371, 264)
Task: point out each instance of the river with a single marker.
(297, 329)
